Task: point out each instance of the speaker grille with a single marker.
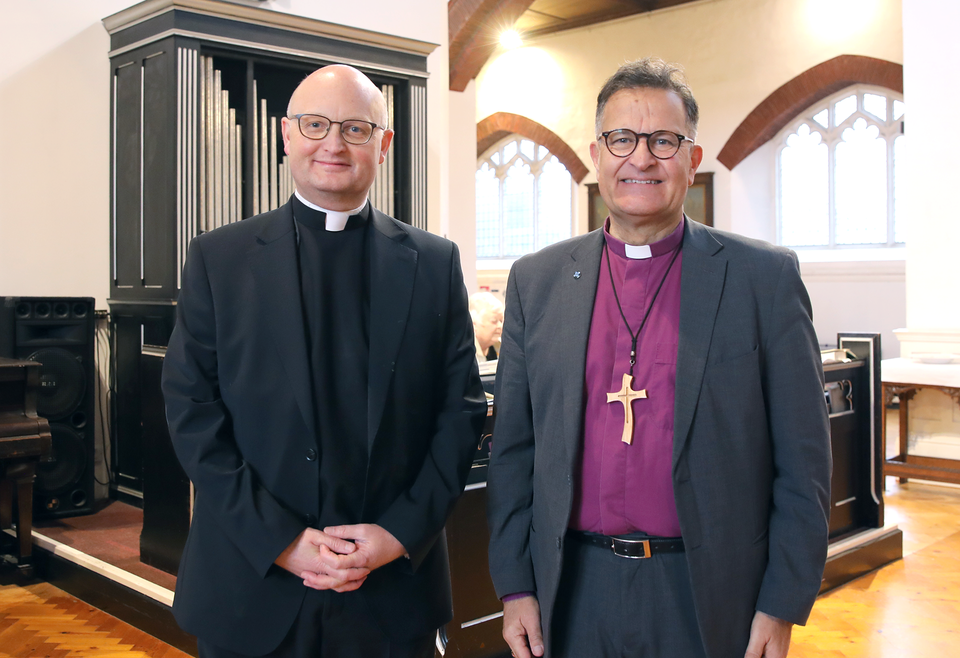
(62, 382)
(59, 333)
(69, 459)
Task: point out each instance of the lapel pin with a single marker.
(576, 275)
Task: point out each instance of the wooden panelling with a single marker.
(545, 16)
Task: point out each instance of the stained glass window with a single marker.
(524, 200)
(837, 179)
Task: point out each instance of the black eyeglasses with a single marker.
(353, 131)
(663, 144)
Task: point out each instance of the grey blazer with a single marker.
(751, 453)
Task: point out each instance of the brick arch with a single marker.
(497, 126)
(814, 84)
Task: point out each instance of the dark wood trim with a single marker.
(924, 468)
(905, 465)
(705, 180)
(861, 560)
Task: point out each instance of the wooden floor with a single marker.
(909, 609)
(41, 621)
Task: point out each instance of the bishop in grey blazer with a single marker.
(750, 464)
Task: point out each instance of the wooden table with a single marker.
(903, 378)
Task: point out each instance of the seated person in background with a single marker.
(487, 313)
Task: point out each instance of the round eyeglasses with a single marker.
(353, 131)
(662, 144)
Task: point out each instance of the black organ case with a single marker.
(860, 541)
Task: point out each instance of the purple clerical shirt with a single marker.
(627, 488)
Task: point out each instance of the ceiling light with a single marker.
(510, 39)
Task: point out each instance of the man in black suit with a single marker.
(323, 397)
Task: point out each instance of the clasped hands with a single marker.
(339, 557)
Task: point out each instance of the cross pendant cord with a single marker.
(626, 395)
(635, 336)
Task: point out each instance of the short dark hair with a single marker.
(650, 73)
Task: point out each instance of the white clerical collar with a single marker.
(336, 219)
(637, 251)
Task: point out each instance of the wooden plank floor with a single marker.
(909, 609)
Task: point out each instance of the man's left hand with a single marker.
(769, 637)
(375, 546)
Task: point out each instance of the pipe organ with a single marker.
(199, 89)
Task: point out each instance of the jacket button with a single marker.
(310, 520)
(311, 455)
(559, 543)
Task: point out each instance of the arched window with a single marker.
(524, 200)
(837, 178)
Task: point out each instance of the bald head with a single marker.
(340, 81)
(329, 171)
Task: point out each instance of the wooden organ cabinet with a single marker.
(198, 88)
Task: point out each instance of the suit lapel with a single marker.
(273, 260)
(577, 291)
(701, 287)
(393, 266)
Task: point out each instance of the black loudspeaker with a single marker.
(60, 334)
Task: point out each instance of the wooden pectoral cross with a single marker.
(627, 395)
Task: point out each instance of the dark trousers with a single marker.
(332, 625)
(614, 607)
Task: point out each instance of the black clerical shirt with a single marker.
(335, 293)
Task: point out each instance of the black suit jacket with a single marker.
(240, 411)
(751, 445)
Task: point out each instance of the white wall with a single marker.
(736, 53)
(857, 297)
(931, 58)
(462, 227)
(54, 167)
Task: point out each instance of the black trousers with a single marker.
(614, 607)
(332, 625)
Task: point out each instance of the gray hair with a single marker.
(481, 302)
(650, 73)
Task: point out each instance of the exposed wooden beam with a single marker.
(475, 27)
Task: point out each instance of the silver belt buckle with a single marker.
(643, 543)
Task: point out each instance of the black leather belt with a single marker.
(634, 548)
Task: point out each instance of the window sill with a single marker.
(851, 255)
(495, 263)
(850, 271)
